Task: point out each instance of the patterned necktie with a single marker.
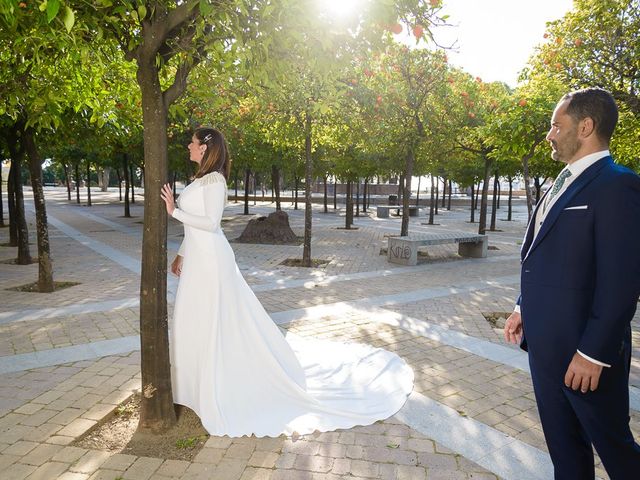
(555, 188)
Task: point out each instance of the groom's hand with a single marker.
(513, 328)
(582, 374)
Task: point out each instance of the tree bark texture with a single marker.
(348, 217)
(247, 179)
(18, 219)
(406, 194)
(88, 183)
(45, 267)
(306, 250)
(127, 183)
(482, 224)
(77, 177)
(275, 179)
(431, 203)
(157, 411)
(494, 206)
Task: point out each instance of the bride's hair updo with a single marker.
(216, 157)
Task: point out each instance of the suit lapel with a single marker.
(528, 236)
(582, 181)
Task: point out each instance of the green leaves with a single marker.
(52, 7)
(68, 19)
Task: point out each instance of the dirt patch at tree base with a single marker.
(496, 319)
(33, 287)
(273, 230)
(14, 261)
(117, 434)
(297, 262)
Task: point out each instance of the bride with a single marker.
(230, 363)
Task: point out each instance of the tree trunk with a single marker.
(88, 183)
(127, 185)
(77, 177)
(494, 206)
(509, 218)
(335, 193)
(326, 193)
(18, 221)
(106, 175)
(11, 205)
(437, 199)
(255, 188)
(482, 224)
(348, 217)
(296, 183)
(418, 192)
(449, 196)
(400, 190)
(538, 185)
(365, 195)
(408, 173)
(45, 268)
(527, 184)
(235, 182)
(473, 205)
(247, 179)
(275, 180)
(499, 192)
(132, 183)
(119, 184)
(157, 411)
(444, 192)
(67, 181)
(306, 251)
(358, 197)
(431, 203)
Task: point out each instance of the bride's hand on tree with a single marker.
(167, 195)
(176, 266)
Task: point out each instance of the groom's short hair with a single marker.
(597, 104)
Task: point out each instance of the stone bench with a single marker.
(382, 211)
(404, 250)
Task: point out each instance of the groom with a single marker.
(580, 283)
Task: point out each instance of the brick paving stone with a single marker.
(73, 476)
(172, 468)
(240, 451)
(40, 454)
(252, 473)
(69, 454)
(313, 463)
(142, 469)
(18, 471)
(230, 468)
(48, 470)
(90, 462)
(209, 455)
(263, 459)
(20, 448)
(118, 461)
(106, 475)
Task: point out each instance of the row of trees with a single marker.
(299, 92)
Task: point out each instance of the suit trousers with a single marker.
(572, 421)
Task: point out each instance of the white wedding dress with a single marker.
(232, 365)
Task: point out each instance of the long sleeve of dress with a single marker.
(213, 191)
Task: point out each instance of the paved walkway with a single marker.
(68, 358)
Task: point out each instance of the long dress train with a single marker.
(232, 365)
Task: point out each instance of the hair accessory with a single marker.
(207, 138)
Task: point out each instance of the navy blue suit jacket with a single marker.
(580, 278)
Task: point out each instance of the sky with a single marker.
(495, 38)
